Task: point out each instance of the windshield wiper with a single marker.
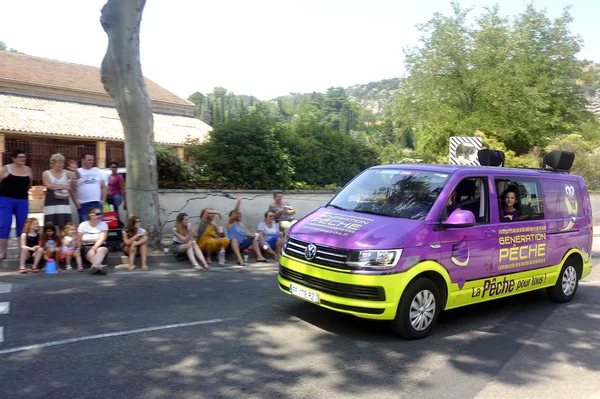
(337, 207)
(369, 212)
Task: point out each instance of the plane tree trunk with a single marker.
(123, 80)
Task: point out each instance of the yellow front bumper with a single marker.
(329, 284)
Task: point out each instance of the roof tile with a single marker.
(26, 69)
(70, 119)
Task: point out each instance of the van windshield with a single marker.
(407, 194)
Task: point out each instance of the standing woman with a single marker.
(116, 187)
(58, 188)
(15, 182)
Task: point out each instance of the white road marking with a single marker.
(113, 334)
(4, 306)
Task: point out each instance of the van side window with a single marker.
(562, 198)
(470, 194)
(528, 204)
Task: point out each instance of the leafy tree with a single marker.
(199, 99)
(244, 153)
(516, 80)
(586, 157)
(322, 157)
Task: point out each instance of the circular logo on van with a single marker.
(311, 251)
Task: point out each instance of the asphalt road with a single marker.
(231, 333)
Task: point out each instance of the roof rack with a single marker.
(490, 157)
(558, 161)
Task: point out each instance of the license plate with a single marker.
(303, 293)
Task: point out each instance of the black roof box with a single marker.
(558, 161)
(490, 157)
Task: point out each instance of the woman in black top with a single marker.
(15, 182)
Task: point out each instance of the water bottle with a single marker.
(222, 257)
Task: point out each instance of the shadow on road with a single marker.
(278, 347)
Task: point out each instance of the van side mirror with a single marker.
(459, 218)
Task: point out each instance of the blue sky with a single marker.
(262, 47)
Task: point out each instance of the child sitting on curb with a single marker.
(30, 247)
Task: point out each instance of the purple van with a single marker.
(404, 242)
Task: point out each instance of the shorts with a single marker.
(85, 248)
(175, 251)
(247, 243)
(272, 242)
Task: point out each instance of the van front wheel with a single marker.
(418, 309)
(566, 286)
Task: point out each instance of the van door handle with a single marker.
(489, 232)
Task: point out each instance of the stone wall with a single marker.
(254, 204)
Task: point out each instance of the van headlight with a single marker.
(374, 259)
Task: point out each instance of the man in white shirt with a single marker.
(92, 188)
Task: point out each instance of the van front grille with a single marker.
(326, 256)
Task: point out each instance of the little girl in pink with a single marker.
(68, 250)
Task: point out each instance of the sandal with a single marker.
(22, 270)
(241, 263)
(35, 269)
(131, 268)
(198, 267)
(69, 267)
(79, 268)
(144, 267)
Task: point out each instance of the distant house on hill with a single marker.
(49, 106)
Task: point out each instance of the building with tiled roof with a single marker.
(49, 106)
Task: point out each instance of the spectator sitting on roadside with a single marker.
(135, 239)
(91, 238)
(269, 236)
(184, 245)
(284, 213)
(29, 245)
(209, 239)
(68, 247)
(50, 241)
(240, 237)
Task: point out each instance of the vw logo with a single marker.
(311, 251)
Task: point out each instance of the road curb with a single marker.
(116, 261)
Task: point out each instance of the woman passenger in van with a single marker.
(509, 200)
